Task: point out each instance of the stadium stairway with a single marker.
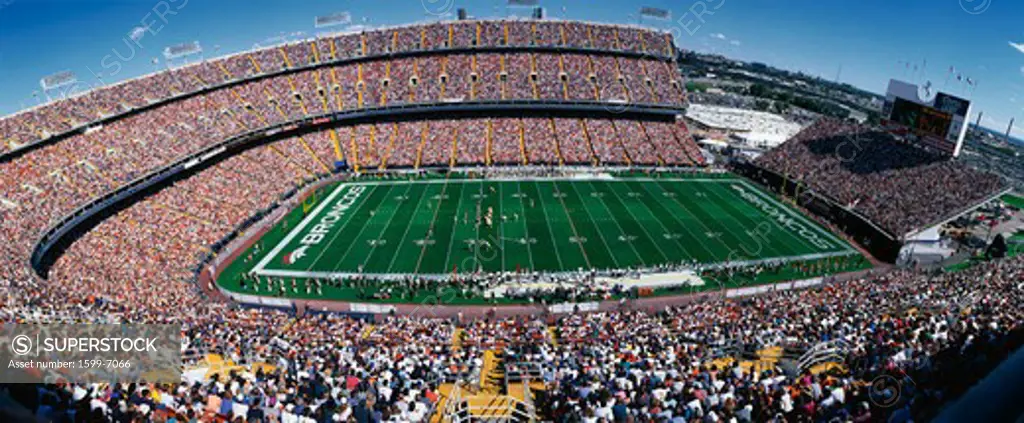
(367, 331)
(492, 374)
(753, 361)
(494, 400)
(458, 335)
(552, 336)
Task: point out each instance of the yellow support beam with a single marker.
(284, 55)
(487, 149)
(391, 146)
(423, 142)
(220, 63)
(522, 143)
(254, 64)
(313, 153)
(454, 148)
(556, 142)
(288, 160)
(315, 51)
(302, 104)
(354, 151)
(373, 144)
(360, 86)
(337, 145)
(590, 144)
(339, 94)
(319, 83)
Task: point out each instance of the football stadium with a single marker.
(498, 219)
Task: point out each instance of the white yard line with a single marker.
(526, 227)
(551, 233)
(340, 230)
(638, 223)
(392, 219)
(600, 233)
(358, 235)
(695, 237)
(751, 231)
(813, 225)
(430, 229)
(451, 239)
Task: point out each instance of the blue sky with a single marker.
(872, 40)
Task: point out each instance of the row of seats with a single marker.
(62, 115)
(392, 82)
(514, 141)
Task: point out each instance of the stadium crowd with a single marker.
(927, 336)
(899, 186)
(466, 76)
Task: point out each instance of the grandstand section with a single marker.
(322, 63)
(869, 178)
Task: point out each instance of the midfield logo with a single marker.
(294, 256)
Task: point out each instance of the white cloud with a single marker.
(137, 33)
(735, 42)
(722, 36)
(1018, 46)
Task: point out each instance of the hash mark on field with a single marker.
(451, 240)
(526, 227)
(600, 234)
(408, 225)
(637, 221)
(699, 221)
(384, 230)
(614, 218)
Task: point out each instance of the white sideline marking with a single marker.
(295, 231)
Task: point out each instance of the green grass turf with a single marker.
(426, 227)
(1013, 200)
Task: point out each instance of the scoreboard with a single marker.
(937, 120)
(921, 118)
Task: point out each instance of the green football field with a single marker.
(434, 227)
